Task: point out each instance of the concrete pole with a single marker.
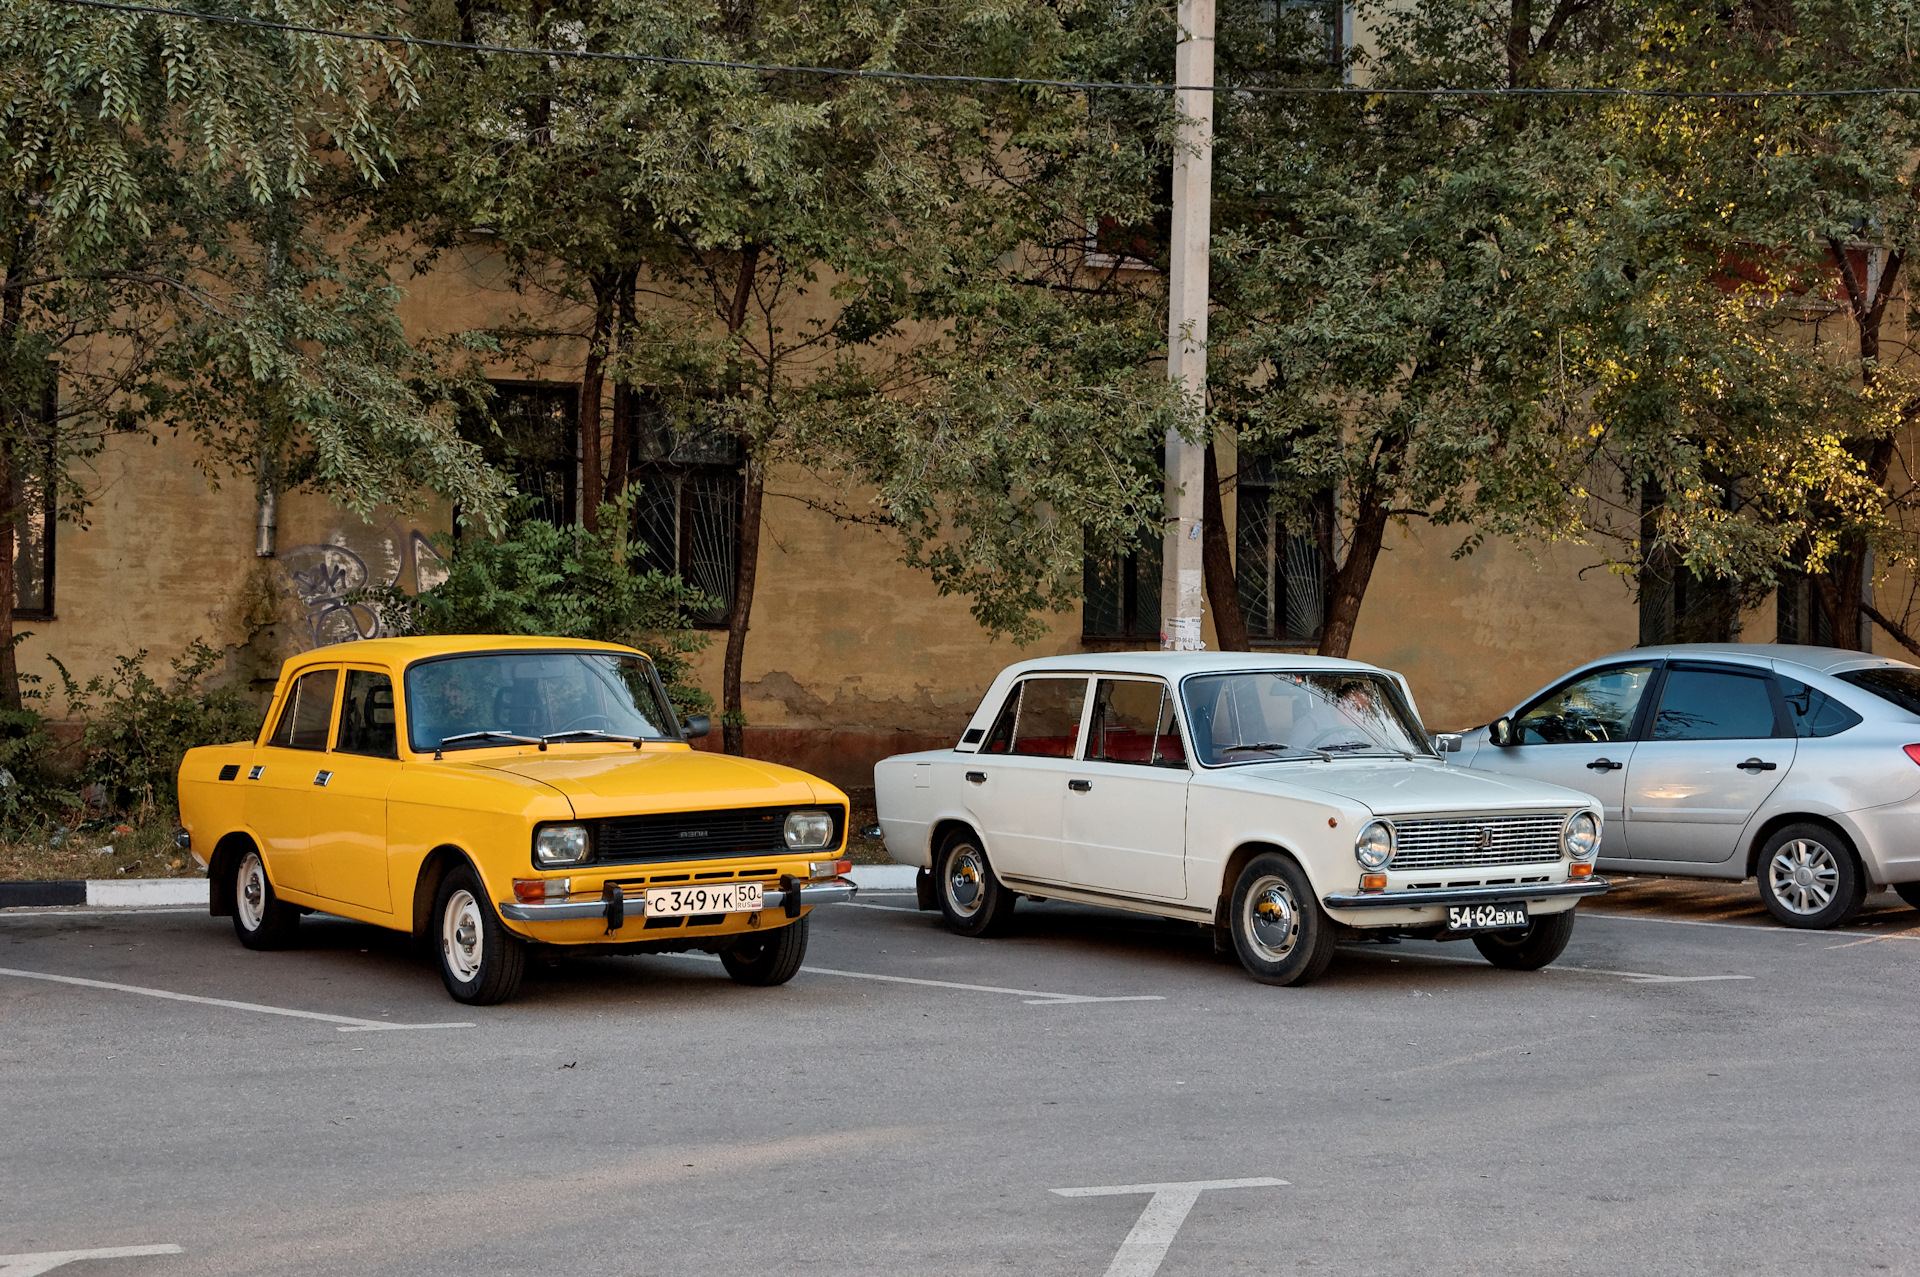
(1182, 579)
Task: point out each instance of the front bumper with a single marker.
(1465, 895)
(790, 899)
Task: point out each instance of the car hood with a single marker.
(1392, 787)
(636, 782)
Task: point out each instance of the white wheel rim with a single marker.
(1270, 918)
(1805, 877)
(250, 892)
(462, 939)
(966, 881)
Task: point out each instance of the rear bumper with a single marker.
(1465, 895)
(790, 900)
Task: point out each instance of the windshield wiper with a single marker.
(488, 734)
(1272, 747)
(1371, 746)
(581, 733)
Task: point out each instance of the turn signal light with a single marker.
(1373, 882)
(829, 868)
(1580, 869)
(1913, 752)
(533, 890)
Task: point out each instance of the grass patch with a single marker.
(144, 850)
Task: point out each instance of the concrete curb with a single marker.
(883, 877)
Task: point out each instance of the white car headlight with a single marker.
(809, 829)
(1374, 848)
(561, 845)
(1581, 836)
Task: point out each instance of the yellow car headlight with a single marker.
(557, 845)
(807, 830)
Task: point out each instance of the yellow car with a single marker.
(486, 794)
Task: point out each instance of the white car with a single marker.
(1796, 765)
(1285, 802)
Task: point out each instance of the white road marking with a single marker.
(1637, 977)
(77, 911)
(47, 1260)
(1033, 997)
(861, 904)
(346, 1023)
(1141, 1254)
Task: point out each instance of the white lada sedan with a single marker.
(1285, 802)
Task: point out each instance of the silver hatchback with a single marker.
(1799, 766)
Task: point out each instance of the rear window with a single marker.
(1899, 684)
(1813, 712)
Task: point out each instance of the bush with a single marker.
(542, 580)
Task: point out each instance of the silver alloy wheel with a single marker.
(1271, 918)
(250, 895)
(1804, 876)
(461, 936)
(966, 880)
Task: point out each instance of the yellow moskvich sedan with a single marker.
(488, 793)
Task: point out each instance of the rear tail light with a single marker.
(1913, 752)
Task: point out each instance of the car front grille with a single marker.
(1475, 842)
(702, 835)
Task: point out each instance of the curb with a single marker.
(129, 892)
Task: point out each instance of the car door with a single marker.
(1580, 735)
(1125, 824)
(280, 784)
(1718, 744)
(348, 820)
(1016, 786)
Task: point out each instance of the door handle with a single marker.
(976, 778)
(1604, 765)
(321, 778)
(1079, 786)
(1755, 765)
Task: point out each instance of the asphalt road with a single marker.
(1690, 1090)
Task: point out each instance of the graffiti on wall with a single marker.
(325, 577)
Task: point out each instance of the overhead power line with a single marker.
(862, 73)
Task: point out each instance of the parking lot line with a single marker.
(344, 1023)
(1636, 977)
(1033, 997)
(47, 1260)
(1146, 1246)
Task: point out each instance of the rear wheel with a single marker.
(1280, 933)
(260, 918)
(1809, 878)
(972, 900)
(1543, 939)
(481, 962)
(767, 958)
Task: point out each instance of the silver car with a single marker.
(1799, 766)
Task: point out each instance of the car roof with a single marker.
(1179, 664)
(399, 651)
(1821, 660)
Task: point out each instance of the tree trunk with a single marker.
(1216, 556)
(746, 569)
(620, 443)
(1347, 588)
(18, 403)
(592, 386)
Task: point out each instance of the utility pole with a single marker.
(1182, 587)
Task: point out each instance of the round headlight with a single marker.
(561, 845)
(806, 830)
(1374, 848)
(1581, 837)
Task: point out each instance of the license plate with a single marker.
(712, 897)
(1485, 917)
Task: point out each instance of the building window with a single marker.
(686, 512)
(1122, 593)
(1799, 616)
(1677, 606)
(533, 435)
(1282, 583)
(36, 495)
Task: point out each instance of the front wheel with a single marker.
(769, 957)
(260, 918)
(972, 900)
(1279, 930)
(1544, 939)
(1809, 878)
(481, 962)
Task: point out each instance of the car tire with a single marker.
(481, 962)
(1280, 932)
(261, 919)
(972, 900)
(1909, 892)
(1810, 878)
(767, 958)
(1544, 939)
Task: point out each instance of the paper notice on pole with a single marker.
(1182, 635)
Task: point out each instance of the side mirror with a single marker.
(1500, 731)
(695, 726)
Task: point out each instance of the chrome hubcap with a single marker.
(966, 881)
(251, 899)
(1271, 918)
(1805, 876)
(461, 941)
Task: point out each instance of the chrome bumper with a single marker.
(805, 896)
(1466, 895)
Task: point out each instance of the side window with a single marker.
(308, 712)
(1596, 707)
(1699, 704)
(366, 716)
(1047, 720)
(1813, 712)
(1000, 739)
(1133, 723)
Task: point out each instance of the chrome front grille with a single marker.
(1476, 842)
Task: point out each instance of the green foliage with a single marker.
(542, 580)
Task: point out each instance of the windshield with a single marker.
(471, 702)
(1258, 717)
(1895, 684)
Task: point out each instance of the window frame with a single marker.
(645, 464)
(1782, 719)
(1656, 679)
(286, 703)
(1168, 695)
(340, 712)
